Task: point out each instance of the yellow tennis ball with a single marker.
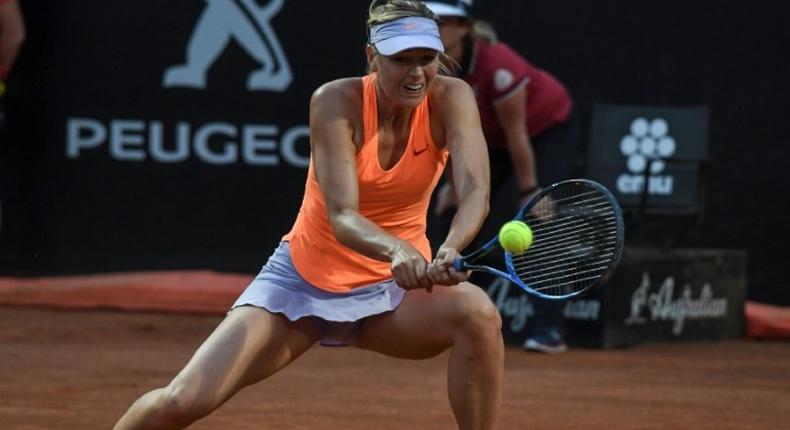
(515, 237)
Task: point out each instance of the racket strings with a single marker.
(550, 212)
(545, 233)
(576, 233)
(561, 264)
(563, 288)
(552, 255)
(557, 273)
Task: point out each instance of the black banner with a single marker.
(664, 146)
(655, 294)
(173, 135)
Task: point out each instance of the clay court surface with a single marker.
(81, 369)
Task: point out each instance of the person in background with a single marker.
(528, 121)
(12, 35)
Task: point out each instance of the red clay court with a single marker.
(80, 367)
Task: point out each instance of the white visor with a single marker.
(406, 33)
(444, 9)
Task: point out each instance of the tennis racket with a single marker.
(577, 230)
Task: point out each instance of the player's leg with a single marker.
(461, 317)
(247, 346)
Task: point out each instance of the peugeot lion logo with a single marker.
(247, 23)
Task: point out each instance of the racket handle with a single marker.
(459, 265)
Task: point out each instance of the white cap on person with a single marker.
(459, 8)
(401, 34)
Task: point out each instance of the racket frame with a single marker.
(465, 262)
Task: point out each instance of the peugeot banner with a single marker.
(175, 129)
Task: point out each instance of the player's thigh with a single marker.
(247, 346)
(425, 324)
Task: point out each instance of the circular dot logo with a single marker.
(647, 141)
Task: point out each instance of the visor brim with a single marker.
(397, 44)
(442, 9)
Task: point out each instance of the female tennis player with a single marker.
(356, 268)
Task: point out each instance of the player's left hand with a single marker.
(409, 267)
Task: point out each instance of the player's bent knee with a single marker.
(178, 404)
(486, 318)
(480, 316)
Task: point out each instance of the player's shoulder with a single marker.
(447, 88)
(449, 95)
(339, 91)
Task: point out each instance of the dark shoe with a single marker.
(550, 342)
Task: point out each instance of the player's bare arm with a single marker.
(456, 106)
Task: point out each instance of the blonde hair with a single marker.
(382, 11)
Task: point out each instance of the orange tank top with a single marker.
(396, 200)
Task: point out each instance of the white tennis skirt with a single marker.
(279, 288)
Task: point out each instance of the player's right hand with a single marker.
(409, 268)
